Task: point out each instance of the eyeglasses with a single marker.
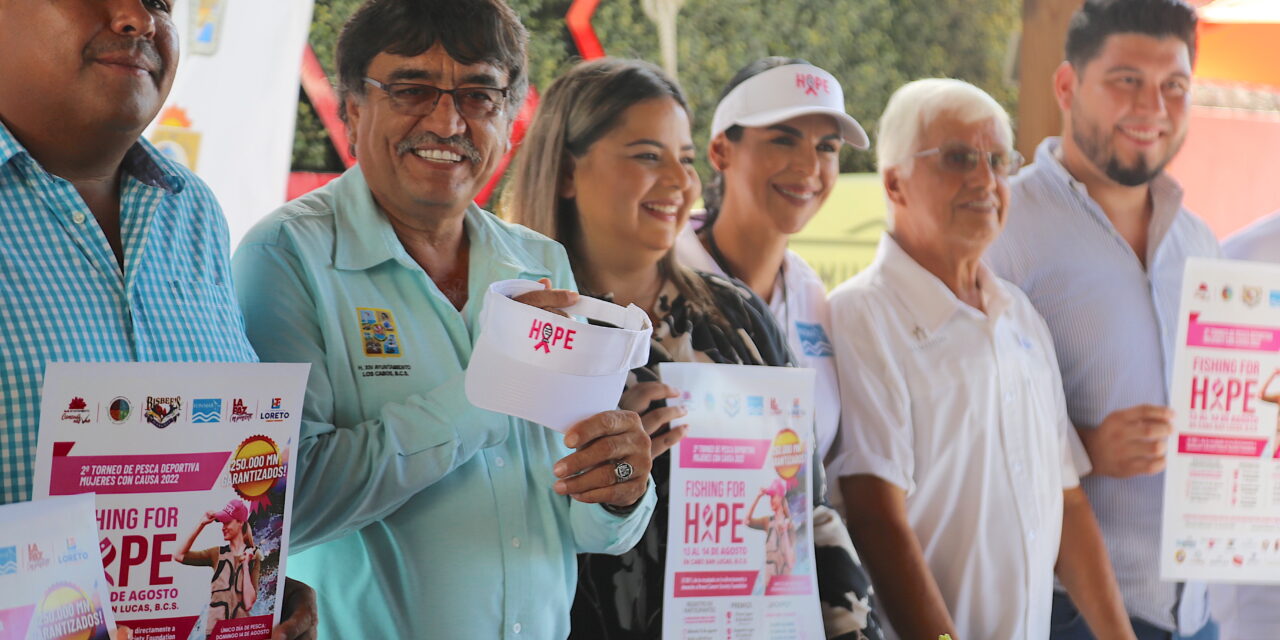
(414, 99)
(962, 158)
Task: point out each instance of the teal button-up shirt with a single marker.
(65, 298)
(421, 515)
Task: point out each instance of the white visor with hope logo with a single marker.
(786, 92)
(547, 368)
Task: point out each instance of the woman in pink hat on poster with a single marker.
(779, 542)
(237, 565)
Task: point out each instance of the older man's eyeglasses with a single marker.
(962, 158)
(415, 99)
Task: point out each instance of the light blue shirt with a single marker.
(64, 297)
(1114, 326)
(422, 516)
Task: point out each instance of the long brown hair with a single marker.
(579, 108)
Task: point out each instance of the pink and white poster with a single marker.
(191, 467)
(51, 582)
(740, 561)
(1222, 484)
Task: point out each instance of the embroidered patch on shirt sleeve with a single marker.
(814, 341)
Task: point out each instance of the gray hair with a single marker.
(916, 104)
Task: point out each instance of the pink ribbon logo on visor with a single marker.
(811, 83)
(548, 334)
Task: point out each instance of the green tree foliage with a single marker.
(872, 46)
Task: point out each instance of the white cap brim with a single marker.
(515, 370)
(787, 92)
(551, 399)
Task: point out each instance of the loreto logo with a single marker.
(547, 335)
(812, 84)
(276, 413)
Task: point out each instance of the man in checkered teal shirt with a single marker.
(108, 251)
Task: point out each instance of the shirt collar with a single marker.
(365, 238)
(1166, 193)
(9, 146)
(142, 161)
(925, 296)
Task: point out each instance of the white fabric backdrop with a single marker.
(230, 115)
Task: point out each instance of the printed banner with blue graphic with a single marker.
(230, 115)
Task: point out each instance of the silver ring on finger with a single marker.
(622, 471)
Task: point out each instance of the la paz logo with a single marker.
(812, 83)
(548, 334)
(239, 412)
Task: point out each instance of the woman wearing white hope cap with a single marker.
(607, 170)
(775, 147)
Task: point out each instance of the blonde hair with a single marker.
(579, 108)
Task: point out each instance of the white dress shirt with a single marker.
(964, 411)
(1114, 324)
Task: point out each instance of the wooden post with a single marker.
(664, 15)
(1044, 34)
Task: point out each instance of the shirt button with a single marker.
(515, 542)
(516, 627)
(1031, 535)
(78, 217)
(1017, 467)
(500, 462)
(1008, 397)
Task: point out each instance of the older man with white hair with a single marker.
(958, 465)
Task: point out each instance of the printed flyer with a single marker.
(190, 464)
(740, 561)
(1222, 484)
(51, 580)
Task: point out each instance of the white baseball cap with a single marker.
(785, 92)
(549, 369)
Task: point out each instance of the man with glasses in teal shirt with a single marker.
(421, 515)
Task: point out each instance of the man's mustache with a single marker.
(132, 47)
(426, 137)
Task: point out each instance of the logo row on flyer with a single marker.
(1227, 551)
(163, 411)
(34, 556)
(1250, 295)
(732, 405)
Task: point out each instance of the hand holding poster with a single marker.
(51, 580)
(191, 464)
(1222, 484)
(740, 559)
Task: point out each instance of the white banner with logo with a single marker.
(51, 581)
(230, 115)
(191, 467)
(1222, 484)
(740, 560)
